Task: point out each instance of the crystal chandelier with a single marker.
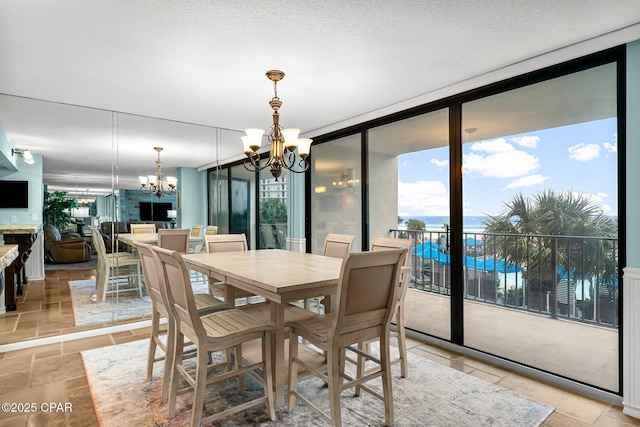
(153, 184)
(283, 142)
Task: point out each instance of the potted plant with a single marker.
(57, 209)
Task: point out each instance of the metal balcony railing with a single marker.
(568, 277)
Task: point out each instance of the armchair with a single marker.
(59, 250)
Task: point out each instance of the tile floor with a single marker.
(55, 373)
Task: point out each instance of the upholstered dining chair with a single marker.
(142, 228)
(175, 239)
(381, 244)
(156, 287)
(364, 305)
(336, 246)
(120, 269)
(219, 331)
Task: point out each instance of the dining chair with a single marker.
(365, 302)
(156, 287)
(219, 331)
(142, 228)
(336, 246)
(225, 243)
(175, 239)
(211, 229)
(195, 232)
(381, 244)
(121, 270)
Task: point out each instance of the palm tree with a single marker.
(556, 236)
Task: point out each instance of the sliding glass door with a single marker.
(541, 225)
(408, 164)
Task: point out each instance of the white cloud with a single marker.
(506, 164)
(526, 141)
(499, 145)
(606, 209)
(440, 163)
(423, 198)
(584, 152)
(528, 181)
(611, 148)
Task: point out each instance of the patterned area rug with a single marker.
(127, 306)
(432, 395)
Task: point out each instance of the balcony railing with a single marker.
(568, 277)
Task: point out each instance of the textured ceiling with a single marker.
(203, 63)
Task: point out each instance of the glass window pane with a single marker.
(540, 215)
(272, 196)
(409, 198)
(336, 203)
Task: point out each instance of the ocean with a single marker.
(471, 224)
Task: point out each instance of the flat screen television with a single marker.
(154, 211)
(14, 194)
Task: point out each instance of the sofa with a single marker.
(70, 248)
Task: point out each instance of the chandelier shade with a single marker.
(283, 142)
(154, 184)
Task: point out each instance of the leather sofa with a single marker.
(72, 248)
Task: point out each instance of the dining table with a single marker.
(281, 277)
(150, 238)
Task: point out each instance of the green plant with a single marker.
(57, 209)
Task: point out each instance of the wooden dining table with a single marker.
(150, 238)
(279, 276)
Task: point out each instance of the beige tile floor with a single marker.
(55, 373)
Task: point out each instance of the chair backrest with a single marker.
(143, 228)
(180, 295)
(225, 242)
(153, 277)
(385, 243)
(98, 244)
(211, 229)
(174, 239)
(366, 295)
(195, 230)
(337, 245)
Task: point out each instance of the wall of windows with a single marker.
(443, 175)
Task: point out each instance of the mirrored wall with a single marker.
(97, 171)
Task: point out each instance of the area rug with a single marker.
(431, 395)
(128, 305)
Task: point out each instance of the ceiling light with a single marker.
(283, 141)
(25, 154)
(153, 183)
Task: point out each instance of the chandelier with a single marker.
(283, 142)
(153, 183)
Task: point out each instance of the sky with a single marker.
(581, 158)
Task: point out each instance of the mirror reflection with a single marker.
(82, 196)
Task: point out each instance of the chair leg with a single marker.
(268, 375)
(387, 390)
(139, 279)
(293, 371)
(167, 373)
(104, 282)
(198, 390)
(402, 342)
(153, 345)
(360, 366)
(238, 352)
(175, 374)
(333, 371)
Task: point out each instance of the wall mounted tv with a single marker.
(154, 211)
(14, 194)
